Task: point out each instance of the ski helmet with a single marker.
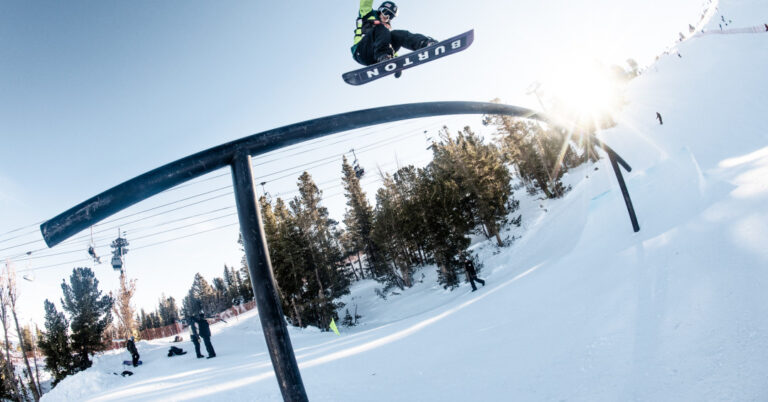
(388, 7)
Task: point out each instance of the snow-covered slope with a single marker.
(580, 308)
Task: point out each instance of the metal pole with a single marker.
(263, 282)
(624, 192)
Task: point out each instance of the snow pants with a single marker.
(381, 41)
(208, 346)
(473, 279)
(196, 342)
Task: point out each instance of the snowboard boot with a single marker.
(428, 41)
(384, 57)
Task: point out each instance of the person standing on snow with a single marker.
(131, 346)
(469, 267)
(205, 333)
(194, 337)
(375, 41)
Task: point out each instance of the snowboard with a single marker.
(130, 363)
(413, 59)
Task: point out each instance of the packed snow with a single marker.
(579, 307)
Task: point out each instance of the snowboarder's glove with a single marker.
(398, 74)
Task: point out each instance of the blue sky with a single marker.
(94, 93)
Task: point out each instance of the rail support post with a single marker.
(612, 156)
(263, 282)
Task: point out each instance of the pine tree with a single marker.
(221, 295)
(167, 310)
(90, 313)
(448, 219)
(328, 282)
(291, 258)
(232, 285)
(358, 219)
(26, 335)
(55, 345)
(395, 215)
(408, 182)
(537, 152)
(200, 298)
(143, 322)
(479, 171)
(246, 291)
(190, 306)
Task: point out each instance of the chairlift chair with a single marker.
(30, 272)
(92, 250)
(119, 247)
(359, 172)
(92, 253)
(117, 262)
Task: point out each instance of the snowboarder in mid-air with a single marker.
(376, 45)
(375, 41)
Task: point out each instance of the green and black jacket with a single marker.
(366, 20)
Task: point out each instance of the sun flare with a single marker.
(583, 91)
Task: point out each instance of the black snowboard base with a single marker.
(413, 59)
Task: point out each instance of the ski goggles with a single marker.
(387, 12)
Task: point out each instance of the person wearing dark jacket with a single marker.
(375, 41)
(131, 346)
(205, 333)
(194, 336)
(469, 267)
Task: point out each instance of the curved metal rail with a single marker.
(117, 198)
(237, 154)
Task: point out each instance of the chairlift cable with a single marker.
(383, 142)
(70, 241)
(369, 146)
(159, 242)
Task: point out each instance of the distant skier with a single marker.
(375, 41)
(131, 346)
(205, 333)
(658, 117)
(194, 336)
(471, 272)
